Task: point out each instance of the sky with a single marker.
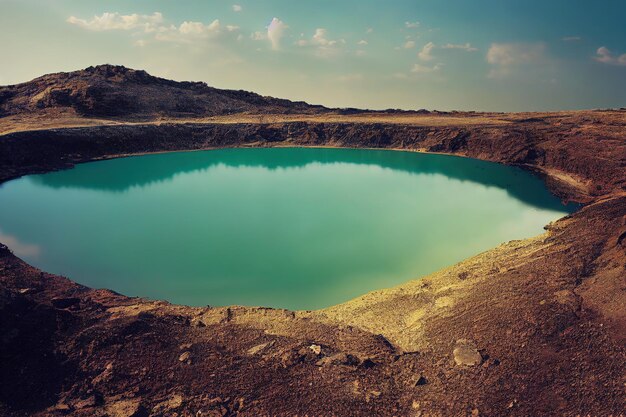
(483, 55)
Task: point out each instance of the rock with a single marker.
(317, 349)
(185, 346)
(218, 412)
(217, 408)
(372, 395)
(568, 298)
(85, 403)
(367, 363)
(61, 406)
(421, 381)
(259, 348)
(185, 357)
(63, 303)
(466, 354)
(104, 375)
(491, 362)
(339, 359)
(125, 408)
(165, 407)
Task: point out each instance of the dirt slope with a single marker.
(533, 327)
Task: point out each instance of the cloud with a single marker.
(508, 57)
(409, 45)
(320, 38)
(199, 28)
(193, 31)
(425, 53)
(362, 42)
(325, 47)
(465, 46)
(237, 8)
(604, 55)
(258, 36)
(369, 30)
(424, 69)
(154, 24)
(275, 31)
(116, 21)
(411, 25)
(571, 38)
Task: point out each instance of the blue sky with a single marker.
(491, 55)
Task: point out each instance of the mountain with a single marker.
(114, 91)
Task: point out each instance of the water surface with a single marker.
(292, 228)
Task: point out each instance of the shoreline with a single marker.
(549, 291)
(413, 277)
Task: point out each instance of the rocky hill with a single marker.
(115, 91)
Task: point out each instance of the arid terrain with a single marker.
(530, 328)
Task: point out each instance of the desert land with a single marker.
(531, 327)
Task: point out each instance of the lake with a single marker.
(284, 227)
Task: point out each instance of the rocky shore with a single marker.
(532, 327)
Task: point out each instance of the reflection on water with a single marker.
(21, 249)
(293, 228)
(122, 174)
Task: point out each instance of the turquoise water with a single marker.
(292, 228)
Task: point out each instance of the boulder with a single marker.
(466, 354)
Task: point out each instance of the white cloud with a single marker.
(258, 36)
(186, 32)
(369, 30)
(604, 55)
(199, 28)
(409, 45)
(193, 31)
(507, 57)
(426, 53)
(424, 69)
(360, 52)
(275, 32)
(116, 21)
(237, 8)
(320, 38)
(465, 46)
(325, 47)
(411, 25)
(362, 42)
